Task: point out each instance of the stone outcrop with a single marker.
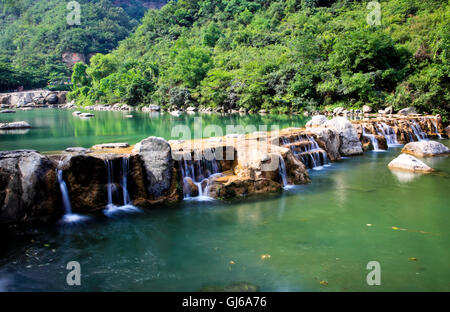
(407, 111)
(28, 187)
(409, 163)
(37, 98)
(350, 144)
(425, 149)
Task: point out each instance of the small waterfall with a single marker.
(282, 171)
(436, 129)
(111, 208)
(68, 217)
(420, 135)
(309, 152)
(372, 139)
(389, 133)
(199, 172)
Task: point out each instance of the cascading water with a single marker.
(389, 133)
(199, 172)
(283, 173)
(111, 208)
(436, 129)
(372, 139)
(308, 152)
(68, 217)
(420, 135)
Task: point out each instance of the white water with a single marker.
(68, 217)
(436, 129)
(111, 208)
(318, 157)
(389, 133)
(206, 170)
(372, 139)
(421, 136)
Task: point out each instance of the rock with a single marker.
(28, 187)
(381, 111)
(263, 112)
(111, 146)
(338, 111)
(7, 111)
(86, 115)
(189, 187)
(447, 131)
(235, 187)
(78, 150)
(52, 98)
(407, 111)
(242, 110)
(388, 110)
(316, 121)
(176, 113)
(154, 108)
(425, 149)
(192, 109)
(331, 139)
(350, 144)
(409, 163)
(15, 125)
(76, 113)
(129, 116)
(366, 109)
(156, 154)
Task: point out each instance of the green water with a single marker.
(315, 232)
(57, 129)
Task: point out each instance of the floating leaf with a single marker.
(265, 256)
(395, 228)
(412, 259)
(324, 283)
(232, 262)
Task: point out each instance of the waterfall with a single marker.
(310, 153)
(436, 129)
(199, 172)
(282, 171)
(420, 135)
(372, 139)
(389, 133)
(68, 217)
(111, 208)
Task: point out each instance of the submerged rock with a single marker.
(409, 163)
(350, 144)
(15, 125)
(7, 111)
(78, 150)
(425, 149)
(111, 146)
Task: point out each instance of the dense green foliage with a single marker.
(35, 34)
(281, 56)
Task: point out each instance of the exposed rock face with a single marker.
(409, 163)
(388, 110)
(425, 149)
(33, 98)
(350, 144)
(28, 187)
(78, 150)
(156, 154)
(317, 121)
(15, 125)
(447, 131)
(71, 58)
(232, 187)
(331, 139)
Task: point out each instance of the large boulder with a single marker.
(409, 163)
(350, 144)
(407, 111)
(388, 110)
(425, 149)
(52, 98)
(28, 187)
(316, 121)
(447, 131)
(331, 139)
(156, 154)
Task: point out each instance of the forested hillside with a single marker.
(34, 35)
(282, 56)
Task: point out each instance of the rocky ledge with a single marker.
(155, 172)
(425, 149)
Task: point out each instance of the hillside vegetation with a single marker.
(35, 34)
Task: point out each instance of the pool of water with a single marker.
(351, 213)
(57, 129)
